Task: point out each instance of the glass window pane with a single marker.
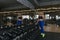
(47, 16)
(25, 16)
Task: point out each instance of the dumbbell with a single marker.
(1, 37)
(6, 37)
(11, 33)
(20, 37)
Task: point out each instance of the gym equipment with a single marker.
(28, 31)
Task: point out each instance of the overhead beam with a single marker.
(36, 2)
(41, 9)
(26, 3)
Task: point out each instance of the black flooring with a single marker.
(52, 36)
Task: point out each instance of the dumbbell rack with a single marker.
(24, 32)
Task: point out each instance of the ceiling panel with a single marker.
(13, 4)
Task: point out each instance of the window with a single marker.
(25, 16)
(57, 17)
(47, 16)
(9, 18)
(36, 16)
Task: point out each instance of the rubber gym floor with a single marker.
(52, 36)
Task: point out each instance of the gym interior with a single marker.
(11, 10)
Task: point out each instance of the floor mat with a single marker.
(52, 36)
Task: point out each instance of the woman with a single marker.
(41, 24)
(19, 21)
